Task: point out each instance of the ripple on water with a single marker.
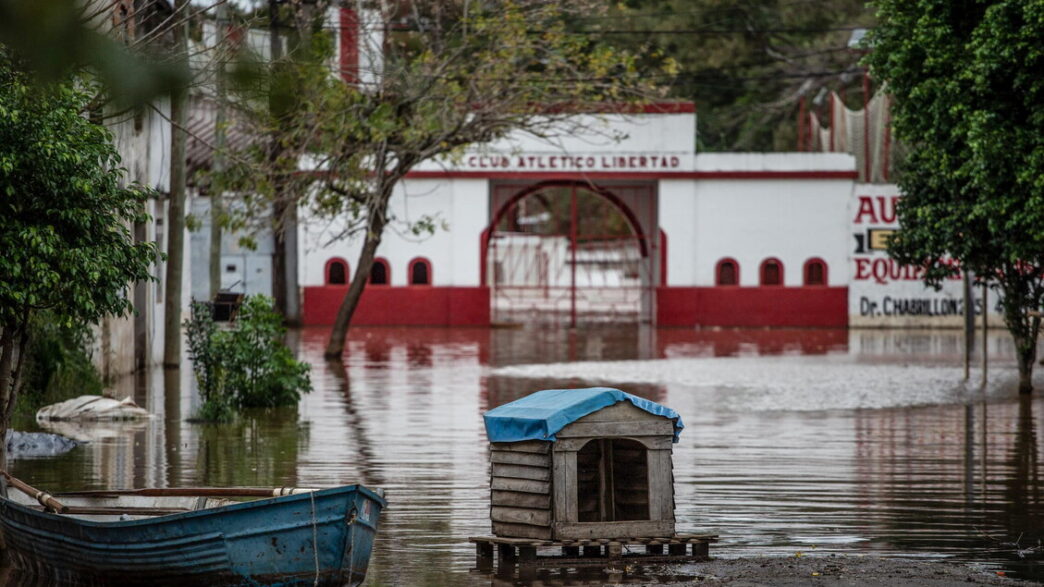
(781, 454)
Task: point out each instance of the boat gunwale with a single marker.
(213, 511)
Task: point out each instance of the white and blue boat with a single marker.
(194, 536)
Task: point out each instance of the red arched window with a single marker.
(772, 272)
(336, 271)
(420, 271)
(815, 271)
(727, 272)
(380, 272)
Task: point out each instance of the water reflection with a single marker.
(403, 412)
(260, 449)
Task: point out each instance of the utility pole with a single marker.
(176, 208)
(217, 185)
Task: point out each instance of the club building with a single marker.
(625, 222)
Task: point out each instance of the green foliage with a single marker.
(65, 218)
(452, 75)
(967, 86)
(57, 365)
(745, 63)
(59, 38)
(245, 365)
(199, 335)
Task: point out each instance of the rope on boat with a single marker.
(349, 545)
(315, 539)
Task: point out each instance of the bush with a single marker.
(57, 365)
(245, 365)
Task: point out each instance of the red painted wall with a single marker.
(752, 306)
(349, 45)
(401, 306)
(675, 306)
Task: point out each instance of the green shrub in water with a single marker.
(245, 365)
(57, 364)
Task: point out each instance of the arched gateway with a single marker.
(571, 252)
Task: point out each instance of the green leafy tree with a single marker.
(968, 94)
(745, 63)
(57, 365)
(462, 74)
(65, 218)
(123, 44)
(452, 74)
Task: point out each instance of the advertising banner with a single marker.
(884, 293)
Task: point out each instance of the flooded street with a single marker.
(810, 441)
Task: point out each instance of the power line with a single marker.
(715, 32)
(699, 31)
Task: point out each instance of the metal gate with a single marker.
(570, 253)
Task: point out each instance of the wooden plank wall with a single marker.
(520, 499)
(640, 488)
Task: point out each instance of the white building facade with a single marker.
(627, 223)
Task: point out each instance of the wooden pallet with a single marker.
(569, 553)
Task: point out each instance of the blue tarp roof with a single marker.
(540, 415)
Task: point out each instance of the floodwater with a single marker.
(810, 441)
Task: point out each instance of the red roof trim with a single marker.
(631, 175)
(618, 108)
(665, 108)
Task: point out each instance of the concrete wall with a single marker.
(142, 139)
(607, 142)
(751, 207)
(453, 250)
(753, 220)
(243, 270)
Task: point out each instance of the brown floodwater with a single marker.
(831, 442)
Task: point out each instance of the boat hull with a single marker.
(293, 540)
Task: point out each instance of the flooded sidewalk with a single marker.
(816, 442)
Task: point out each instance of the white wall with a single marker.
(143, 142)
(671, 135)
(677, 210)
(454, 251)
(753, 219)
(775, 162)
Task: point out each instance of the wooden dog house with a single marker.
(582, 464)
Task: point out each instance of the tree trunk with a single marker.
(217, 186)
(176, 210)
(279, 251)
(1017, 302)
(335, 347)
(1026, 355)
(14, 338)
(6, 360)
(16, 375)
(215, 244)
(275, 153)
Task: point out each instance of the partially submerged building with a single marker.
(618, 219)
(142, 137)
(641, 229)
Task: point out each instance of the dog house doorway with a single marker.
(612, 481)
